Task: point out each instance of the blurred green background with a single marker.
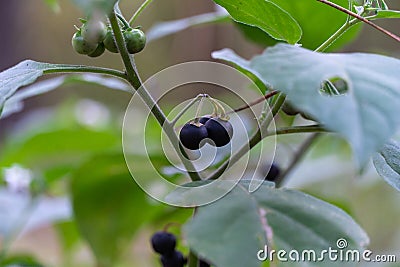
(57, 137)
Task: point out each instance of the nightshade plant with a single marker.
(355, 95)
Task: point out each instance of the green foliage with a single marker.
(387, 164)
(372, 97)
(162, 29)
(108, 206)
(54, 5)
(241, 223)
(265, 15)
(387, 14)
(20, 261)
(355, 95)
(14, 102)
(93, 6)
(318, 23)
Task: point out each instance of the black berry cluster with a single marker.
(94, 37)
(164, 243)
(273, 173)
(218, 130)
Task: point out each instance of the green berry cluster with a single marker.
(94, 37)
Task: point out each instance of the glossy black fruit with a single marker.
(163, 243)
(289, 109)
(220, 131)
(175, 259)
(273, 173)
(204, 119)
(191, 135)
(203, 263)
(307, 116)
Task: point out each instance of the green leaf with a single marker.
(91, 6)
(242, 224)
(24, 73)
(366, 115)
(387, 164)
(15, 102)
(54, 5)
(265, 15)
(65, 146)
(318, 22)
(163, 29)
(108, 205)
(20, 261)
(386, 14)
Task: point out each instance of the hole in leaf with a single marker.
(334, 87)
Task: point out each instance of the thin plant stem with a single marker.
(298, 129)
(87, 69)
(199, 107)
(193, 260)
(349, 12)
(255, 102)
(133, 78)
(180, 114)
(139, 11)
(297, 158)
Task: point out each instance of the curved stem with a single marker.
(133, 78)
(123, 20)
(297, 158)
(88, 69)
(348, 12)
(140, 9)
(334, 37)
(192, 259)
(255, 102)
(180, 114)
(298, 129)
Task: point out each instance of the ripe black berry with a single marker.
(220, 131)
(307, 116)
(203, 263)
(204, 119)
(191, 135)
(273, 173)
(289, 109)
(163, 243)
(175, 259)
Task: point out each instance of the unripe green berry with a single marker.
(94, 31)
(135, 40)
(82, 46)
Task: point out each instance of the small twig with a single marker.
(348, 12)
(140, 9)
(191, 103)
(297, 158)
(298, 129)
(269, 95)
